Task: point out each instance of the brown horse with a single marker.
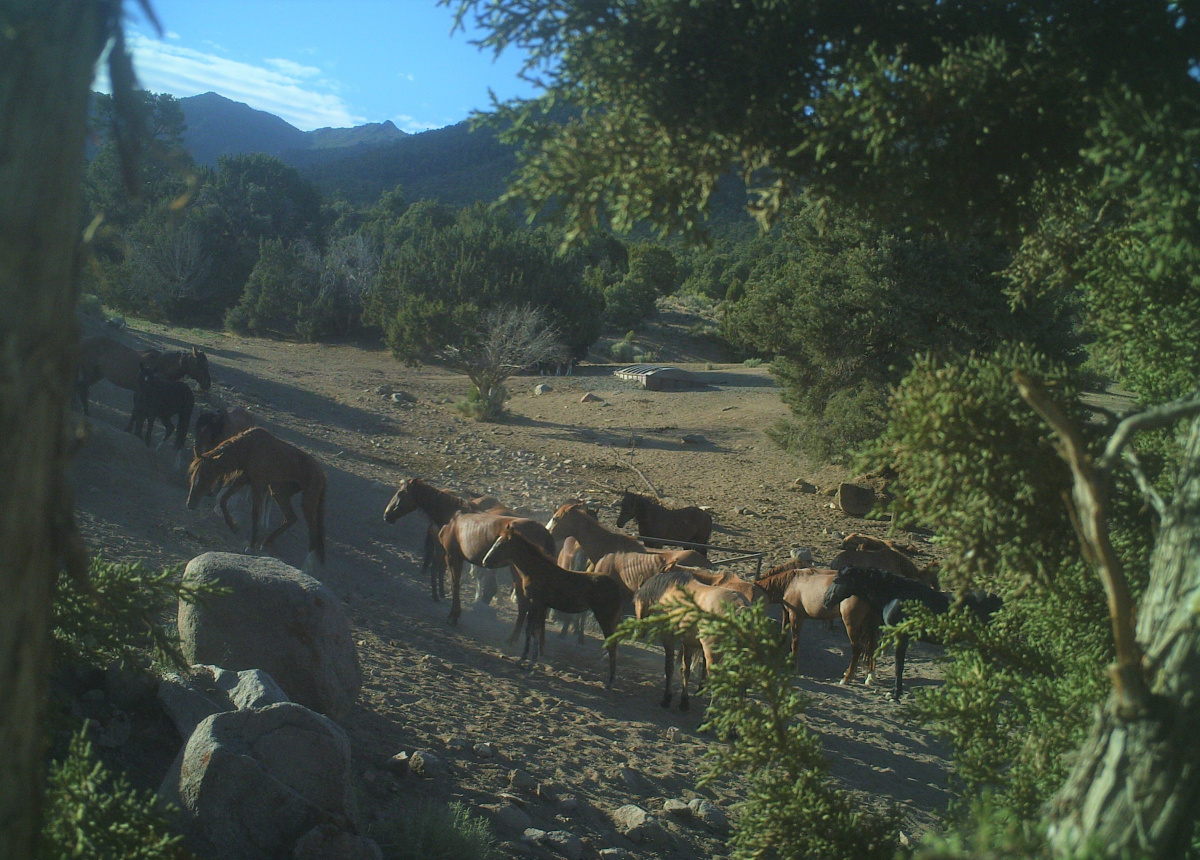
(667, 592)
(691, 524)
(801, 592)
(258, 459)
(631, 569)
(547, 586)
(724, 579)
(469, 536)
(101, 357)
(887, 559)
(214, 427)
(439, 506)
(574, 520)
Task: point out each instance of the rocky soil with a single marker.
(561, 753)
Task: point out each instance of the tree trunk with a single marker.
(1135, 786)
(48, 50)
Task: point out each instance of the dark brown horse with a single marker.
(266, 464)
(574, 520)
(547, 586)
(691, 524)
(469, 536)
(214, 427)
(101, 357)
(439, 506)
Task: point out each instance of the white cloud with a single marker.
(282, 90)
(412, 125)
(293, 69)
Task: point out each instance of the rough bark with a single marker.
(48, 50)
(1135, 785)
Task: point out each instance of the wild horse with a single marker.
(266, 464)
(438, 506)
(690, 524)
(101, 357)
(886, 593)
(547, 586)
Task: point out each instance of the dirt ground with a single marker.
(428, 685)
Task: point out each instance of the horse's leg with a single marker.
(580, 622)
(454, 565)
(856, 646)
(436, 574)
(486, 585)
(795, 623)
(901, 651)
(687, 655)
(284, 500)
(523, 608)
(223, 503)
(668, 643)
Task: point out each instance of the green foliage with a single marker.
(91, 814)
(483, 407)
(89, 305)
(850, 419)
(443, 269)
(623, 351)
(976, 461)
(753, 362)
(124, 610)
(435, 832)
(792, 808)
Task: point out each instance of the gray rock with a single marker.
(185, 704)
(855, 499)
(674, 734)
(277, 619)
(327, 842)
(547, 792)
(615, 854)
(511, 818)
(711, 814)
(631, 821)
(565, 843)
(249, 784)
(522, 781)
(518, 848)
(569, 803)
(802, 486)
(427, 764)
(542, 388)
(533, 834)
(802, 553)
(590, 398)
(249, 688)
(677, 808)
(398, 764)
(485, 750)
(634, 781)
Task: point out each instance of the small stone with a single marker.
(485, 750)
(518, 848)
(458, 744)
(522, 781)
(692, 439)
(711, 814)
(399, 763)
(546, 792)
(533, 834)
(514, 799)
(677, 808)
(615, 854)
(568, 803)
(513, 819)
(565, 843)
(674, 734)
(590, 398)
(802, 553)
(425, 763)
(631, 821)
(542, 388)
(384, 390)
(802, 486)
(634, 781)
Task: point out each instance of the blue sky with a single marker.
(319, 63)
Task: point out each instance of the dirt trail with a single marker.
(428, 685)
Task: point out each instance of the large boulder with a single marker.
(855, 499)
(277, 619)
(250, 784)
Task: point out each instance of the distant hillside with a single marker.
(452, 164)
(219, 126)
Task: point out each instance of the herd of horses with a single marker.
(574, 564)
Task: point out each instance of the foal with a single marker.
(548, 586)
(156, 397)
(690, 524)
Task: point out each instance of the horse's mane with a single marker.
(787, 567)
(229, 457)
(652, 590)
(443, 496)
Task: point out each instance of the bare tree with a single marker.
(170, 262)
(508, 340)
(348, 271)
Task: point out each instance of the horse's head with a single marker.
(493, 557)
(208, 431)
(402, 503)
(203, 475)
(144, 375)
(626, 507)
(557, 521)
(195, 365)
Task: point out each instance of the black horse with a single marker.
(886, 593)
(156, 397)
